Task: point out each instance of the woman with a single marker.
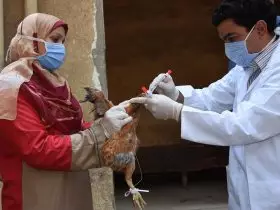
(42, 134)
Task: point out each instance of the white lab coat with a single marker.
(252, 131)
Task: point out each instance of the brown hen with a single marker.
(118, 152)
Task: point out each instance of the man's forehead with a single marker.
(229, 28)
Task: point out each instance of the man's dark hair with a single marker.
(246, 13)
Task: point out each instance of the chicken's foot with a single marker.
(137, 197)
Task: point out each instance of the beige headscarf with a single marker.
(22, 54)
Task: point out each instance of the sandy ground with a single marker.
(170, 195)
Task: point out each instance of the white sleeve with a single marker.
(255, 120)
(218, 97)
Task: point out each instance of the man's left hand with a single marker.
(160, 106)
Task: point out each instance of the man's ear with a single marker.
(261, 27)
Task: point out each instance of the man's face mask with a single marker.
(238, 52)
(54, 56)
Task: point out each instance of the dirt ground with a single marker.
(167, 193)
(205, 191)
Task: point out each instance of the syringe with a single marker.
(149, 92)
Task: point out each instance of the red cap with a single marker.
(169, 71)
(144, 89)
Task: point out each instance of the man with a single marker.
(251, 90)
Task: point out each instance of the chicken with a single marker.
(118, 152)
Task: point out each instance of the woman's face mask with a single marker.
(238, 52)
(54, 54)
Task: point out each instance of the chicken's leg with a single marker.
(137, 197)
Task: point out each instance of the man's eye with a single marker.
(231, 39)
(55, 40)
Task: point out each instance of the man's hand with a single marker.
(160, 106)
(114, 119)
(165, 87)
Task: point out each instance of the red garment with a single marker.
(37, 136)
(56, 106)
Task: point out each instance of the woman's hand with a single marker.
(114, 119)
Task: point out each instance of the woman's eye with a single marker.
(55, 40)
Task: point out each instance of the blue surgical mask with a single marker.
(54, 56)
(238, 52)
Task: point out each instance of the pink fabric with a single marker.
(56, 106)
(41, 25)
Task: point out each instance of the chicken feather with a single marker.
(118, 152)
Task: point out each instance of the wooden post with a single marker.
(102, 188)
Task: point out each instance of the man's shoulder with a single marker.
(235, 73)
(237, 69)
